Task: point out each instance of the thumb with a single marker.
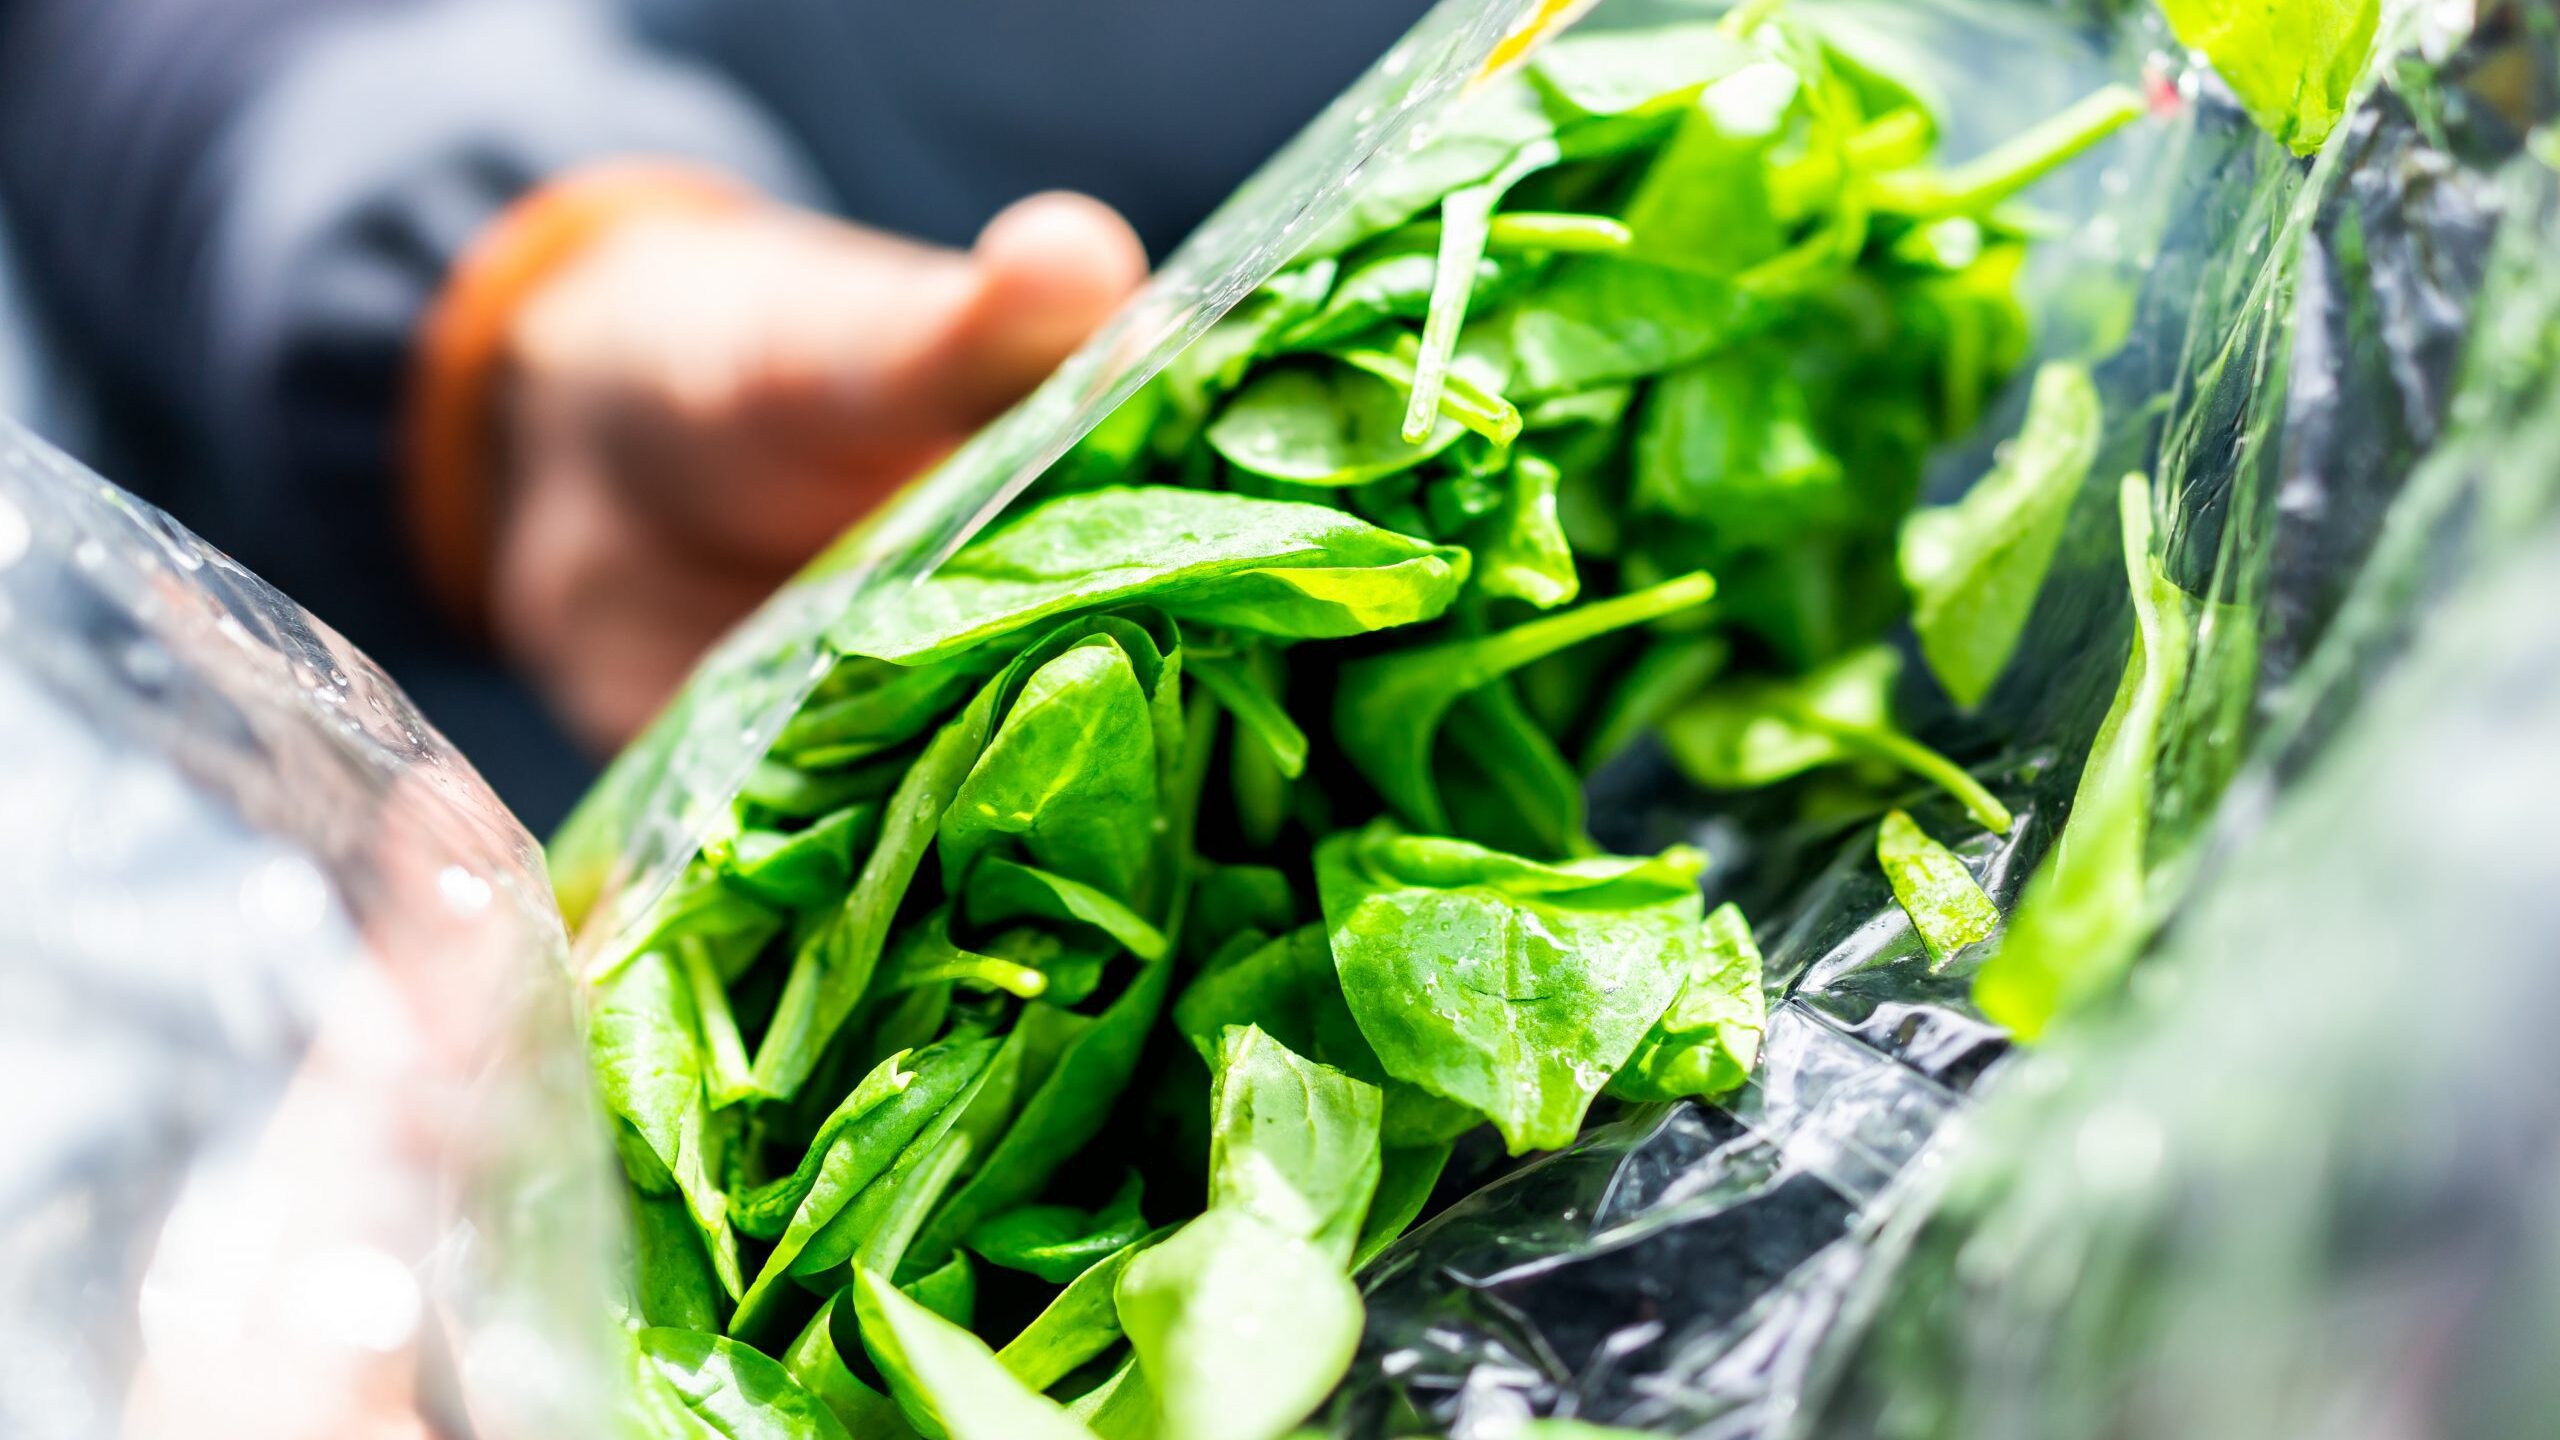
(1049, 270)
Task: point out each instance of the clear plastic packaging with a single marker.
(298, 1137)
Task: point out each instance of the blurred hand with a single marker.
(698, 404)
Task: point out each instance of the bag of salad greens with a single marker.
(1427, 839)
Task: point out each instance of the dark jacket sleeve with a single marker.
(240, 209)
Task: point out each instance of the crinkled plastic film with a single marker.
(298, 1134)
(2290, 347)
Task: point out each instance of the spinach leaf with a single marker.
(676, 1286)
(1063, 1113)
(1388, 709)
(1407, 1174)
(1511, 986)
(1707, 1042)
(1240, 1329)
(1704, 203)
(1080, 1325)
(1269, 567)
(2005, 171)
(763, 1212)
(1000, 891)
(945, 1378)
(1069, 777)
(1521, 551)
(1059, 1242)
(950, 1292)
(1237, 686)
(1728, 444)
(703, 1385)
(1291, 1142)
(1329, 427)
(1216, 363)
(1974, 567)
(2293, 63)
(2081, 919)
(816, 1363)
(1934, 889)
(1650, 70)
(832, 968)
(643, 1040)
(1751, 733)
(868, 707)
(861, 1153)
(926, 956)
(803, 869)
(1466, 226)
(1604, 319)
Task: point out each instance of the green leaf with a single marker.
(764, 1211)
(1291, 1142)
(1388, 709)
(950, 1291)
(1060, 1242)
(1706, 1043)
(833, 967)
(1079, 1325)
(1752, 733)
(1974, 568)
(1217, 362)
(644, 1043)
(804, 869)
(861, 1153)
(1473, 140)
(2294, 63)
(676, 1286)
(1704, 202)
(1000, 891)
(1978, 186)
(1606, 319)
(1729, 444)
(866, 707)
(1068, 780)
(1407, 1174)
(1331, 426)
(945, 1378)
(816, 1363)
(1652, 69)
(1235, 686)
(699, 1385)
(926, 955)
(1521, 551)
(1269, 567)
(1466, 225)
(2081, 919)
(1512, 987)
(1064, 1112)
(1241, 1330)
(1935, 890)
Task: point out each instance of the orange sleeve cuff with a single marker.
(447, 496)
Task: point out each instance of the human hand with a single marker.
(697, 404)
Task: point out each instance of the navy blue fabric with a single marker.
(232, 212)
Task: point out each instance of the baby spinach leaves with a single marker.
(1706, 1043)
(1934, 889)
(2082, 915)
(1974, 567)
(1512, 987)
(1597, 417)
(2293, 63)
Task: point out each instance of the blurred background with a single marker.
(227, 224)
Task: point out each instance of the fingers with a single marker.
(1051, 269)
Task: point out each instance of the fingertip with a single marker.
(1066, 249)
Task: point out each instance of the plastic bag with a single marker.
(2278, 344)
(298, 1139)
